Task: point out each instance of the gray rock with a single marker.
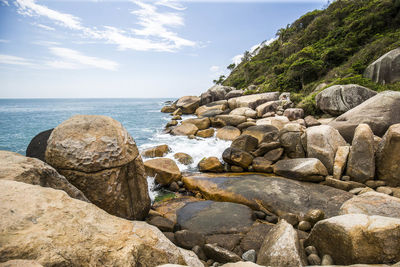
(233, 93)
(338, 99)
(188, 239)
(311, 250)
(311, 121)
(38, 144)
(188, 104)
(274, 155)
(245, 125)
(231, 120)
(305, 169)
(294, 113)
(250, 255)
(339, 165)
(237, 157)
(290, 139)
(200, 253)
(379, 112)
(327, 260)
(252, 101)
(220, 254)
(162, 223)
(264, 133)
(264, 148)
(386, 69)
(245, 142)
(226, 241)
(314, 259)
(268, 107)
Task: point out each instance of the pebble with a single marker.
(314, 259)
(346, 178)
(365, 190)
(311, 250)
(327, 260)
(384, 190)
(356, 191)
(304, 226)
(210, 262)
(249, 255)
(174, 187)
(180, 183)
(315, 215)
(199, 252)
(375, 183)
(271, 218)
(290, 218)
(260, 215)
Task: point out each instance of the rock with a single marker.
(290, 218)
(162, 223)
(314, 215)
(188, 104)
(343, 185)
(310, 250)
(215, 93)
(210, 110)
(169, 208)
(361, 162)
(237, 157)
(362, 239)
(322, 143)
(183, 158)
(314, 259)
(233, 93)
(264, 133)
(338, 99)
(245, 125)
(200, 253)
(388, 158)
(277, 195)
(249, 255)
(268, 107)
(211, 164)
(16, 167)
(226, 241)
(372, 203)
(379, 112)
(294, 113)
(37, 146)
(231, 120)
(261, 164)
(385, 69)
(185, 129)
(98, 156)
(171, 123)
(290, 139)
(311, 121)
(252, 101)
(236, 169)
(168, 109)
(339, 164)
(177, 112)
(384, 190)
(277, 121)
(20, 263)
(327, 260)
(46, 225)
(244, 111)
(245, 142)
(177, 118)
(209, 217)
(264, 148)
(228, 133)
(217, 123)
(201, 124)
(304, 226)
(157, 151)
(187, 239)
(164, 170)
(220, 254)
(281, 247)
(252, 240)
(302, 169)
(206, 133)
(274, 155)
(174, 187)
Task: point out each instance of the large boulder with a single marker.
(210, 217)
(264, 133)
(290, 139)
(164, 170)
(277, 121)
(185, 129)
(201, 124)
(46, 225)
(338, 99)
(388, 157)
(372, 203)
(233, 93)
(215, 93)
(211, 164)
(281, 247)
(237, 157)
(37, 146)
(361, 162)
(232, 120)
(339, 165)
(244, 111)
(385, 69)
(294, 113)
(98, 156)
(228, 133)
(245, 142)
(357, 238)
(322, 142)
(156, 151)
(211, 109)
(16, 167)
(379, 112)
(252, 101)
(278, 195)
(306, 169)
(270, 106)
(188, 104)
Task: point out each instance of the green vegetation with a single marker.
(332, 46)
(164, 195)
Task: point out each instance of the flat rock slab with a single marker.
(276, 194)
(210, 217)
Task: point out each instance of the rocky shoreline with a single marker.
(291, 189)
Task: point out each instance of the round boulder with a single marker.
(37, 146)
(228, 133)
(211, 164)
(164, 170)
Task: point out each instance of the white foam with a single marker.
(151, 184)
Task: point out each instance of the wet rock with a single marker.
(177, 118)
(228, 133)
(281, 247)
(227, 241)
(157, 151)
(169, 208)
(245, 142)
(168, 109)
(255, 237)
(306, 169)
(185, 129)
(200, 253)
(243, 111)
(220, 254)
(164, 170)
(188, 104)
(294, 113)
(252, 101)
(264, 133)
(372, 203)
(16, 167)
(343, 185)
(183, 158)
(361, 162)
(362, 239)
(188, 239)
(201, 124)
(388, 157)
(340, 162)
(37, 146)
(174, 187)
(237, 157)
(290, 139)
(338, 99)
(304, 226)
(162, 223)
(98, 156)
(206, 133)
(237, 169)
(171, 123)
(322, 143)
(260, 164)
(314, 215)
(211, 164)
(385, 69)
(177, 112)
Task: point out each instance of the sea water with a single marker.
(22, 119)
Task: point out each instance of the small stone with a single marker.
(365, 190)
(314, 259)
(271, 219)
(198, 195)
(173, 187)
(180, 183)
(356, 191)
(199, 252)
(304, 226)
(345, 178)
(315, 215)
(236, 168)
(327, 260)
(188, 239)
(177, 118)
(291, 218)
(164, 224)
(210, 262)
(384, 190)
(170, 236)
(249, 255)
(260, 215)
(375, 183)
(171, 123)
(311, 250)
(220, 254)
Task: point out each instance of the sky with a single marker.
(138, 48)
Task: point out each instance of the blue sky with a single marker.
(152, 48)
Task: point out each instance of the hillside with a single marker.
(332, 46)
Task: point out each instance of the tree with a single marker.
(220, 80)
(231, 66)
(246, 56)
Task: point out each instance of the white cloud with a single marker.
(45, 43)
(72, 59)
(45, 27)
(253, 50)
(4, 41)
(13, 60)
(171, 4)
(5, 2)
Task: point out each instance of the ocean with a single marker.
(22, 119)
